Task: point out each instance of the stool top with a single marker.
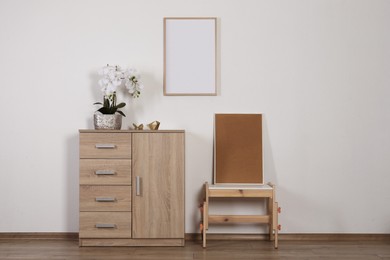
(240, 187)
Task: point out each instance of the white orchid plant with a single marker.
(112, 78)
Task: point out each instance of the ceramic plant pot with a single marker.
(107, 122)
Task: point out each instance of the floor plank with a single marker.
(69, 250)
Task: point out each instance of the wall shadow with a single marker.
(270, 174)
(196, 176)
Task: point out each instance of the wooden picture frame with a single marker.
(190, 56)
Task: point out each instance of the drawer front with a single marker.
(100, 171)
(105, 145)
(105, 225)
(105, 198)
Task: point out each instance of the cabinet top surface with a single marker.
(129, 131)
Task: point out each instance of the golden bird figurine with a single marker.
(138, 127)
(154, 125)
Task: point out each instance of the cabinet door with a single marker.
(158, 164)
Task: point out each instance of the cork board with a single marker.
(238, 149)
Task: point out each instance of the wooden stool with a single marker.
(242, 191)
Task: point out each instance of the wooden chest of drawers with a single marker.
(131, 188)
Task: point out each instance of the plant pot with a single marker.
(107, 122)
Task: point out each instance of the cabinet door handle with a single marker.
(105, 146)
(105, 199)
(104, 172)
(137, 186)
(105, 225)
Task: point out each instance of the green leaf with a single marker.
(98, 103)
(114, 100)
(103, 110)
(112, 110)
(120, 112)
(121, 105)
(106, 103)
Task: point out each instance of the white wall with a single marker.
(318, 70)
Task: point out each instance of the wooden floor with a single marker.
(69, 249)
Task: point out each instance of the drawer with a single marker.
(101, 171)
(105, 198)
(105, 145)
(105, 225)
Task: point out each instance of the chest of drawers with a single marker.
(131, 188)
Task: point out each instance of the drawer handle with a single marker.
(105, 146)
(105, 172)
(137, 186)
(105, 199)
(105, 226)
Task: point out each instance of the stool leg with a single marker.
(205, 222)
(271, 219)
(275, 224)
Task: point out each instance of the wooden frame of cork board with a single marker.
(238, 149)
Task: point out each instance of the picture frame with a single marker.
(190, 56)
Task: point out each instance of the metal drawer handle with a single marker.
(105, 226)
(104, 172)
(105, 146)
(137, 186)
(105, 199)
